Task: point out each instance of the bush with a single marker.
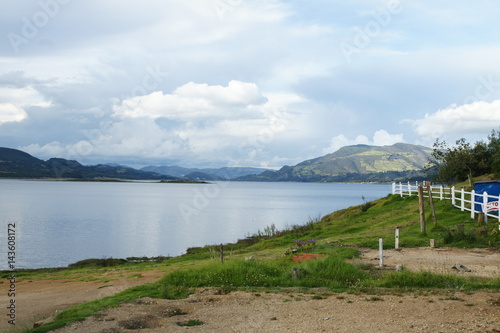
(467, 238)
(109, 262)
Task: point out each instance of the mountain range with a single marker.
(18, 164)
(226, 173)
(358, 163)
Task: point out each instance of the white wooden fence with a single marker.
(466, 201)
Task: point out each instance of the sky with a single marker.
(261, 83)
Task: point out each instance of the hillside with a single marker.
(356, 163)
(18, 164)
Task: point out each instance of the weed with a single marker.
(134, 276)
(318, 297)
(175, 312)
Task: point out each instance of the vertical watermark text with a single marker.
(11, 264)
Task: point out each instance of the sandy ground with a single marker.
(280, 312)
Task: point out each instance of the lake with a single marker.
(58, 222)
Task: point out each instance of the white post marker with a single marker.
(485, 207)
(396, 242)
(381, 252)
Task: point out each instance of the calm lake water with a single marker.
(58, 223)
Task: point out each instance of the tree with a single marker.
(464, 161)
(494, 148)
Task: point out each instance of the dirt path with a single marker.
(37, 300)
(467, 262)
(269, 312)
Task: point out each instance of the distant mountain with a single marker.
(18, 164)
(356, 163)
(206, 173)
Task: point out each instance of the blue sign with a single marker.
(492, 188)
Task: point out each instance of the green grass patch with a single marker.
(331, 271)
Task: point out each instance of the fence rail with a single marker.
(484, 203)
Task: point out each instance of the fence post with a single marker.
(421, 208)
(401, 189)
(453, 196)
(381, 252)
(221, 253)
(462, 204)
(473, 204)
(396, 243)
(441, 197)
(393, 188)
(498, 210)
(431, 202)
(485, 207)
(409, 189)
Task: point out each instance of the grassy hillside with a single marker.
(356, 163)
(368, 159)
(335, 236)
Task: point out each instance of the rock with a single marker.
(461, 267)
(297, 273)
(249, 259)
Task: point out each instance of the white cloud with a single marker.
(11, 113)
(194, 101)
(196, 123)
(477, 117)
(383, 138)
(14, 101)
(380, 138)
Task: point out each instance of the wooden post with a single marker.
(221, 253)
(480, 219)
(421, 208)
(432, 243)
(396, 245)
(381, 252)
(431, 202)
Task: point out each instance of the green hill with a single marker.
(356, 163)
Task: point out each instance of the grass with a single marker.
(191, 322)
(271, 270)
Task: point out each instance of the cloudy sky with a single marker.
(243, 82)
